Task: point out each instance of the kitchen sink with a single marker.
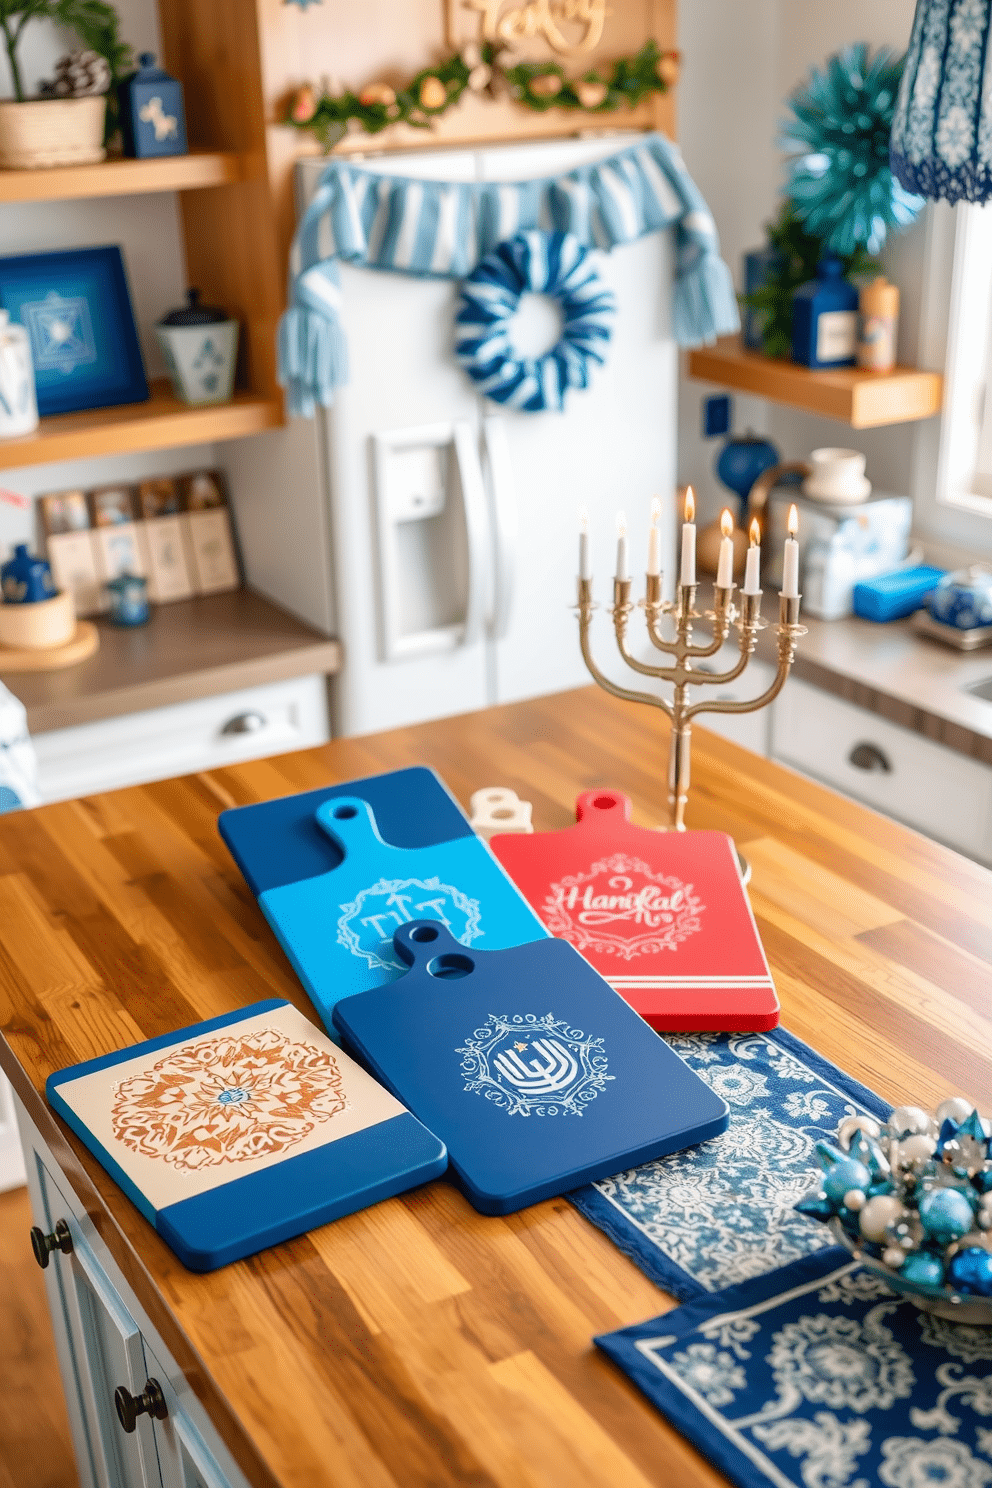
(982, 690)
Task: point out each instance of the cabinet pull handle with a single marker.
(244, 723)
(43, 1244)
(129, 1407)
(869, 757)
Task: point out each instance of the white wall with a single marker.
(741, 62)
(148, 232)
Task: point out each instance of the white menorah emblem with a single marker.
(529, 1065)
(552, 1070)
(366, 925)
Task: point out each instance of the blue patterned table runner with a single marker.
(720, 1213)
(819, 1376)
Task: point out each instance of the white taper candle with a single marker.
(752, 568)
(687, 573)
(725, 565)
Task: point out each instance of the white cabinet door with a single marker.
(184, 1457)
(106, 1355)
(11, 1158)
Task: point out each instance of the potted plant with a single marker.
(71, 119)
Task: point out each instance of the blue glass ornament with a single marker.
(943, 117)
(844, 1176)
(923, 1269)
(838, 135)
(946, 1214)
(970, 1271)
(743, 458)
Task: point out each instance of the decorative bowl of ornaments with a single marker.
(912, 1200)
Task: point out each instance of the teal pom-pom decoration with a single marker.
(838, 135)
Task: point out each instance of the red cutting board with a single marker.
(663, 916)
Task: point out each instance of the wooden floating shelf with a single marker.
(161, 423)
(865, 400)
(191, 172)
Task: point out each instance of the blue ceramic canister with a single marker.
(26, 580)
(963, 599)
(153, 120)
(825, 318)
(128, 600)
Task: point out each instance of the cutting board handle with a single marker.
(425, 945)
(606, 806)
(350, 823)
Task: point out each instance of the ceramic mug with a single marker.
(837, 475)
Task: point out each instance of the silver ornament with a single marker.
(852, 1124)
(955, 1109)
(908, 1120)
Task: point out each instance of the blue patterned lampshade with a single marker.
(941, 144)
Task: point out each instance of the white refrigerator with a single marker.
(435, 532)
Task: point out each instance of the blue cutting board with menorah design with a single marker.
(535, 1074)
(337, 927)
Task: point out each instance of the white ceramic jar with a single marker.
(18, 403)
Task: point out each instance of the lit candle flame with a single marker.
(584, 521)
(755, 532)
(655, 510)
(793, 521)
(690, 505)
(621, 524)
(727, 523)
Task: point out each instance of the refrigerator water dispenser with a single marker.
(430, 521)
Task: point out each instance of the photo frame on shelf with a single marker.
(159, 497)
(76, 309)
(113, 506)
(64, 512)
(208, 526)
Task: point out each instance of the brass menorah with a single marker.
(683, 672)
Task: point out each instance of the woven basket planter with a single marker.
(51, 131)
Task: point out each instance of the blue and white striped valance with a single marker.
(441, 229)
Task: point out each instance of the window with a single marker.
(964, 465)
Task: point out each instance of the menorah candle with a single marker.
(752, 568)
(687, 575)
(623, 571)
(654, 538)
(585, 569)
(725, 565)
(790, 561)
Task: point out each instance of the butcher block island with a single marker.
(418, 1343)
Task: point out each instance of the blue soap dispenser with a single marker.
(825, 318)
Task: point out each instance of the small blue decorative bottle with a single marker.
(26, 580)
(825, 318)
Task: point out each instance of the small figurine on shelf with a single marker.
(153, 120)
(24, 579)
(825, 318)
(878, 325)
(200, 344)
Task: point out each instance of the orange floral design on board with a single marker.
(228, 1099)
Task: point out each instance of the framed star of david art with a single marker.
(76, 309)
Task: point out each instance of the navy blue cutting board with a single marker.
(243, 1131)
(279, 842)
(536, 1075)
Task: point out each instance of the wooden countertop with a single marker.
(419, 1343)
(194, 648)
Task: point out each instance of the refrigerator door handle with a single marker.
(476, 529)
(503, 498)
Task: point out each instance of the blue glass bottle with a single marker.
(825, 318)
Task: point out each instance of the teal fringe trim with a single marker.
(313, 359)
(704, 304)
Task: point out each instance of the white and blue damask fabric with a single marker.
(941, 144)
(554, 264)
(720, 1213)
(441, 229)
(819, 1376)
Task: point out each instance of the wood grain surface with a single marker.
(418, 1343)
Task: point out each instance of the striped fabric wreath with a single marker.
(550, 263)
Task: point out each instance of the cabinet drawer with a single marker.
(201, 735)
(941, 793)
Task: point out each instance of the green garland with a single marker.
(484, 71)
(798, 253)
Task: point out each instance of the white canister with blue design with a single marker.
(18, 766)
(18, 402)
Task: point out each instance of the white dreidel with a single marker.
(496, 808)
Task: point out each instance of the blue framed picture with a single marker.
(77, 312)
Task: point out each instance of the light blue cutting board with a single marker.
(337, 928)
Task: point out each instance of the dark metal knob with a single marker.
(43, 1244)
(244, 723)
(870, 757)
(129, 1407)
